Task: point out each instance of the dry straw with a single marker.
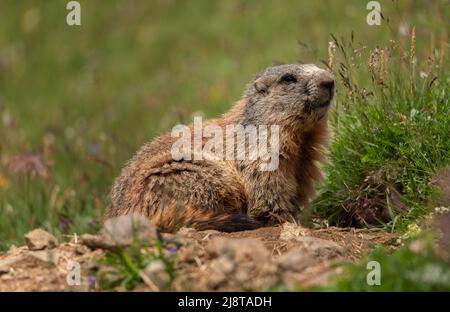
(412, 53)
(331, 52)
(383, 68)
(442, 44)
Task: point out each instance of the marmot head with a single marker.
(289, 93)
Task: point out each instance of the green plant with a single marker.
(414, 267)
(125, 267)
(390, 133)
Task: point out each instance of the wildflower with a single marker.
(412, 53)
(94, 149)
(4, 182)
(442, 210)
(374, 63)
(92, 282)
(331, 51)
(383, 65)
(403, 29)
(29, 164)
(171, 251)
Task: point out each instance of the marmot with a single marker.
(235, 195)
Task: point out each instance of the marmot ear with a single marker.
(261, 85)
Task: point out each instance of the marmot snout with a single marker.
(233, 195)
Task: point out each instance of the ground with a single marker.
(262, 259)
(77, 102)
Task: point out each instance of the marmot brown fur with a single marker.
(234, 195)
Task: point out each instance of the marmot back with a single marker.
(233, 194)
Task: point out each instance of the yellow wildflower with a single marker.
(4, 182)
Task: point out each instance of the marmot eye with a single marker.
(288, 78)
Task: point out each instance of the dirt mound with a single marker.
(267, 258)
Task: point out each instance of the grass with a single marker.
(126, 268)
(421, 263)
(76, 102)
(402, 270)
(391, 135)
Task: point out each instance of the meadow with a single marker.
(77, 101)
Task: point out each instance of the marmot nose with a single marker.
(325, 87)
(325, 80)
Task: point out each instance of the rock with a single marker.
(38, 258)
(39, 239)
(320, 247)
(7, 263)
(82, 249)
(123, 230)
(242, 249)
(174, 239)
(223, 265)
(416, 246)
(316, 246)
(3, 270)
(316, 274)
(96, 242)
(7, 277)
(295, 260)
(156, 272)
(235, 261)
(188, 253)
(187, 232)
(155, 267)
(219, 270)
(12, 248)
(46, 256)
(290, 231)
(206, 234)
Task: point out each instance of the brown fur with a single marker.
(236, 195)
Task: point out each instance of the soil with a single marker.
(282, 257)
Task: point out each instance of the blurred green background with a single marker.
(77, 101)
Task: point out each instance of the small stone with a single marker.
(321, 247)
(207, 234)
(220, 268)
(416, 246)
(81, 249)
(95, 242)
(155, 267)
(4, 270)
(223, 264)
(123, 230)
(7, 263)
(13, 248)
(39, 239)
(316, 246)
(174, 238)
(185, 231)
(188, 253)
(295, 260)
(291, 231)
(47, 256)
(242, 249)
(31, 258)
(6, 277)
(156, 271)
